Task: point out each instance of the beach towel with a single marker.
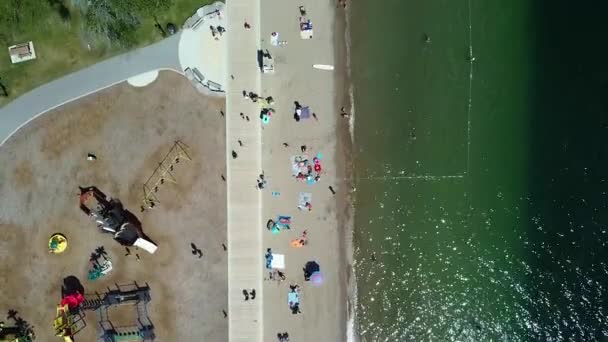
(283, 222)
(274, 38)
(284, 219)
(305, 28)
(305, 112)
(304, 198)
(278, 261)
(297, 243)
(293, 298)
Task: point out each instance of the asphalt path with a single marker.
(159, 56)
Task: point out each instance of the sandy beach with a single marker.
(323, 308)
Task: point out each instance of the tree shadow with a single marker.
(61, 8)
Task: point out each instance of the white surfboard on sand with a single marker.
(323, 67)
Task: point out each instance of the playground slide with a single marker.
(145, 245)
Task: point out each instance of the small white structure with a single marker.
(145, 245)
(323, 66)
(22, 52)
(144, 79)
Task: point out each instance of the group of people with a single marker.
(261, 182)
(300, 242)
(249, 294)
(255, 97)
(306, 171)
(294, 299)
(217, 31)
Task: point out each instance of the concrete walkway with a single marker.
(162, 55)
(202, 53)
(245, 250)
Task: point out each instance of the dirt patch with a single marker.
(13, 240)
(23, 175)
(177, 185)
(78, 121)
(129, 130)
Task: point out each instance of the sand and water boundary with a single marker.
(344, 154)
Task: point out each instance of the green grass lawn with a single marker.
(63, 46)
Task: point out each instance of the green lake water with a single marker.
(481, 207)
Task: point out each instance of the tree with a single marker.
(101, 251)
(94, 259)
(19, 15)
(61, 8)
(12, 314)
(151, 7)
(3, 89)
(114, 19)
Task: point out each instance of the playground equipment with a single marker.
(58, 243)
(112, 218)
(21, 331)
(162, 173)
(132, 294)
(68, 322)
(99, 269)
(71, 312)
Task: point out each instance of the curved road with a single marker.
(162, 55)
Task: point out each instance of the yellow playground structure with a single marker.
(58, 243)
(163, 172)
(66, 324)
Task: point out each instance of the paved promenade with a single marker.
(162, 55)
(245, 250)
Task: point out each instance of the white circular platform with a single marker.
(144, 79)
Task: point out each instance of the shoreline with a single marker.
(344, 156)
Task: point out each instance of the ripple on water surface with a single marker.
(436, 268)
